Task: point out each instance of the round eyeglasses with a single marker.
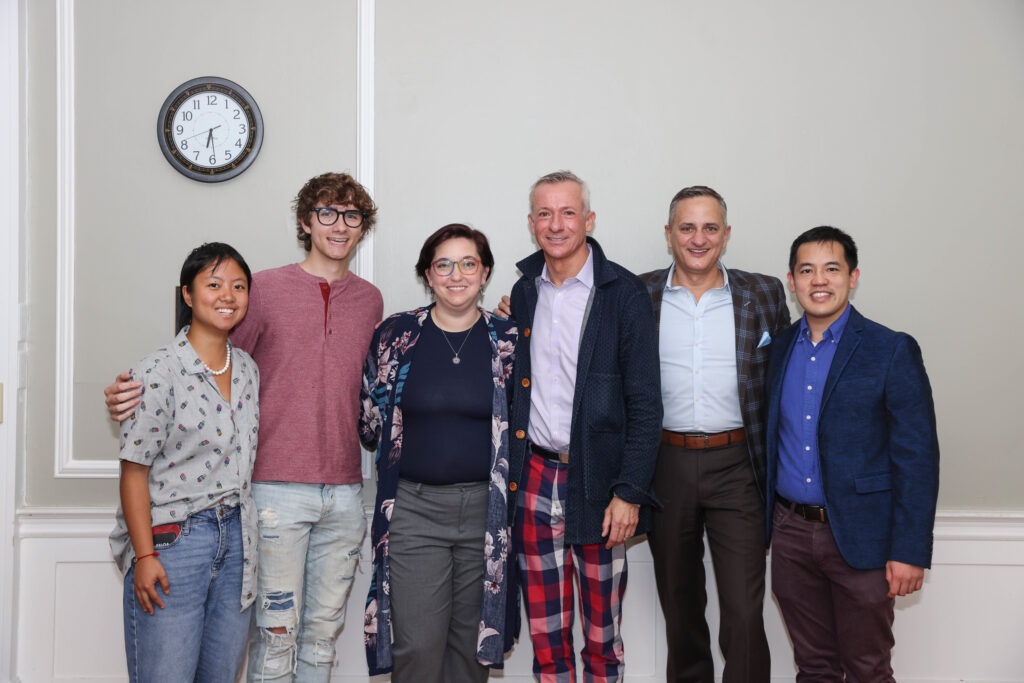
(445, 267)
(328, 216)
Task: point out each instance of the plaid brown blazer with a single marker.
(761, 314)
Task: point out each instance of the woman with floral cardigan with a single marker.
(441, 586)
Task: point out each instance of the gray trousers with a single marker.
(437, 573)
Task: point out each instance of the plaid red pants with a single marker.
(547, 566)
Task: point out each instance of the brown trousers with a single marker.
(839, 618)
(710, 490)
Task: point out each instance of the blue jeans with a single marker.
(200, 633)
(309, 542)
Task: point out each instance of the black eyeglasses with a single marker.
(445, 267)
(328, 216)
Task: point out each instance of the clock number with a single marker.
(179, 129)
(227, 155)
(237, 114)
(184, 144)
(196, 154)
(195, 103)
(238, 143)
(241, 128)
(213, 159)
(186, 116)
(211, 100)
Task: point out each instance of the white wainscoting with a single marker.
(964, 625)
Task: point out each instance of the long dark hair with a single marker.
(198, 259)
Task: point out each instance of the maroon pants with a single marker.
(839, 618)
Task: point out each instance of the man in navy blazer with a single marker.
(853, 461)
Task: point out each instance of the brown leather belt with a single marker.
(702, 440)
(812, 513)
(550, 455)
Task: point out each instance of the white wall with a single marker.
(898, 121)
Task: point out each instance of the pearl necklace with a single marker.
(227, 364)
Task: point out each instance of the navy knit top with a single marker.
(446, 408)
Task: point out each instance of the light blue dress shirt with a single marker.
(699, 386)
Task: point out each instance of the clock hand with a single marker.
(209, 138)
(198, 134)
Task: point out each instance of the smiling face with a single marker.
(456, 293)
(218, 297)
(560, 223)
(333, 242)
(822, 281)
(697, 236)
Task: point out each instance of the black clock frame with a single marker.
(210, 84)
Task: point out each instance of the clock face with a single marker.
(210, 129)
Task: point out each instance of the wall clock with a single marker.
(210, 129)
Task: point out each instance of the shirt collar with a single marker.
(187, 354)
(721, 268)
(585, 276)
(834, 331)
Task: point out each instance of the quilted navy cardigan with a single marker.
(616, 412)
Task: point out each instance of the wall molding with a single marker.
(65, 465)
(10, 320)
(961, 627)
(365, 147)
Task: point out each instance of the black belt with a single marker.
(812, 513)
(549, 455)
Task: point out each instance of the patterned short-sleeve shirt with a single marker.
(199, 447)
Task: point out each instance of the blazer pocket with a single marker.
(873, 483)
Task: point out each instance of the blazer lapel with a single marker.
(744, 313)
(847, 345)
(588, 338)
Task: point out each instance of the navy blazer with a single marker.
(616, 408)
(877, 445)
(760, 314)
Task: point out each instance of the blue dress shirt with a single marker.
(799, 474)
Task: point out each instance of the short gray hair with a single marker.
(697, 191)
(562, 177)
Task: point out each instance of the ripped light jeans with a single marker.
(309, 542)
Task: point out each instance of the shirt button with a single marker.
(330, 331)
(813, 358)
(520, 434)
(807, 448)
(808, 480)
(809, 387)
(512, 486)
(526, 382)
(526, 332)
(808, 417)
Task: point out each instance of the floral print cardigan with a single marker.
(387, 366)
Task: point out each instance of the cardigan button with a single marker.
(513, 486)
(526, 332)
(526, 382)
(520, 434)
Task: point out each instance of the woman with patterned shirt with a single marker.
(186, 528)
(440, 582)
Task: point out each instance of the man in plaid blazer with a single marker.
(715, 327)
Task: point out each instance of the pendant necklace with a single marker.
(455, 359)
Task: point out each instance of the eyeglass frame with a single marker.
(433, 266)
(339, 214)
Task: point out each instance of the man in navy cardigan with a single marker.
(853, 461)
(585, 426)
